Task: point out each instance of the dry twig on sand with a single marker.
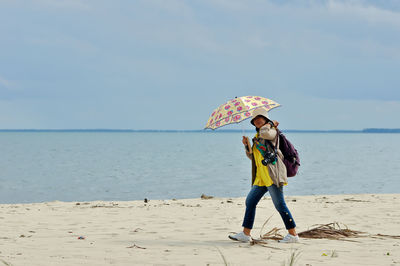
(5, 262)
(327, 231)
(273, 234)
(262, 242)
(331, 231)
(385, 236)
(135, 246)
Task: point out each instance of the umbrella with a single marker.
(237, 110)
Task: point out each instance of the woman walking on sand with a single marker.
(268, 175)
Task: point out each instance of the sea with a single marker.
(124, 166)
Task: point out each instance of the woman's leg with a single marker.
(280, 205)
(252, 200)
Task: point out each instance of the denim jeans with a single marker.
(254, 196)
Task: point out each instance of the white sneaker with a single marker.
(240, 237)
(290, 239)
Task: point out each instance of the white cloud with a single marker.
(364, 11)
(219, 47)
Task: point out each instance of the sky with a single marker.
(167, 64)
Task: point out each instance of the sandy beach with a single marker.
(195, 232)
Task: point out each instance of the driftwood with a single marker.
(325, 231)
(330, 231)
(204, 196)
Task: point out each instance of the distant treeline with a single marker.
(366, 130)
(381, 130)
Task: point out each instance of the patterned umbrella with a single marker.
(237, 110)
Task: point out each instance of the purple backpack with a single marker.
(291, 157)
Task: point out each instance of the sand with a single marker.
(194, 232)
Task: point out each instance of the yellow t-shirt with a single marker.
(262, 176)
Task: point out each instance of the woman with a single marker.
(268, 174)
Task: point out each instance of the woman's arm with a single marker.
(267, 132)
(249, 155)
(247, 147)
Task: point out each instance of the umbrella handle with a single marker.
(248, 145)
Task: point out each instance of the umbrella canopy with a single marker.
(237, 110)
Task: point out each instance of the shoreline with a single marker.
(183, 199)
(194, 231)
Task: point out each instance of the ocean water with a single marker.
(85, 166)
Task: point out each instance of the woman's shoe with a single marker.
(290, 239)
(242, 237)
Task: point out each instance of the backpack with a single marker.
(291, 157)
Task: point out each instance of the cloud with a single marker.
(122, 53)
(365, 11)
(329, 49)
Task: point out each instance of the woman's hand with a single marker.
(246, 144)
(276, 123)
(244, 141)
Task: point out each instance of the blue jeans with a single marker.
(254, 196)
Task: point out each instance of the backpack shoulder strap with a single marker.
(278, 134)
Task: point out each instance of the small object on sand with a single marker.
(81, 237)
(135, 246)
(146, 200)
(203, 196)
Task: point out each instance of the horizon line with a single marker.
(365, 130)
